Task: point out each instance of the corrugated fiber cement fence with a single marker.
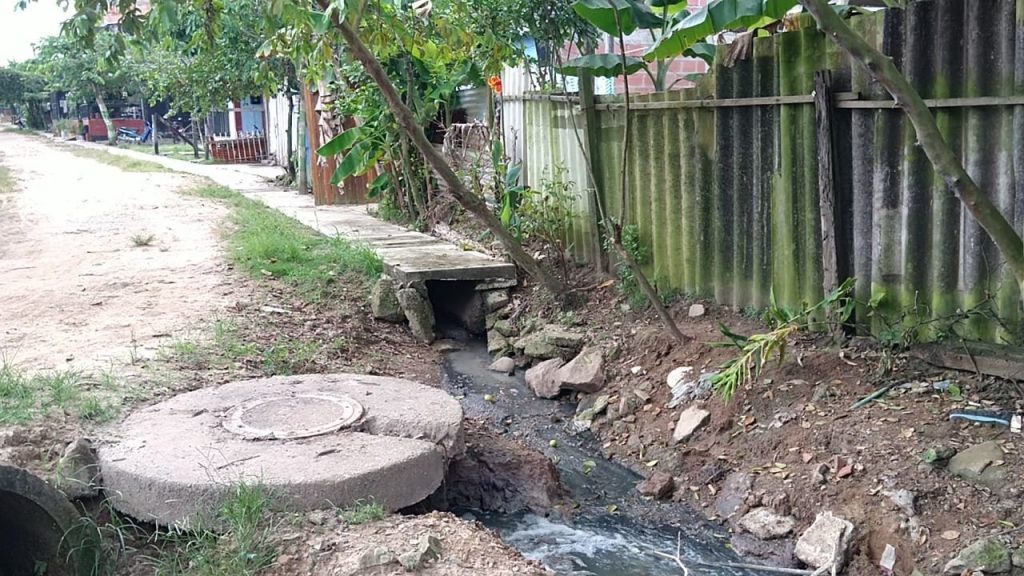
(726, 178)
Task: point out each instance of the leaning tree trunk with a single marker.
(105, 114)
(407, 120)
(944, 160)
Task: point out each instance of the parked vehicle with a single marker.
(129, 135)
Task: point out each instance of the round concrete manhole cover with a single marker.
(290, 417)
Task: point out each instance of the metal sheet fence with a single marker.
(724, 177)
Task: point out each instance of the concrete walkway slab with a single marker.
(313, 441)
(408, 256)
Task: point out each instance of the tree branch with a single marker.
(944, 160)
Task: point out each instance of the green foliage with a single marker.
(202, 55)
(86, 70)
(602, 65)
(362, 512)
(717, 16)
(546, 212)
(628, 284)
(237, 541)
(611, 16)
(757, 350)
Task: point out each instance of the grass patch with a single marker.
(241, 546)
(125, 163)
(226, 346)
(267, 243)
(6, 180)
(26, 398)
(362, 512)
(180, 151)
(142, 240)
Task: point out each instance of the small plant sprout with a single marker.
(142, 239)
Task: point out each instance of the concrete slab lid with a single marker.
(175, 462)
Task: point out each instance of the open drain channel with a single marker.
(595, 542)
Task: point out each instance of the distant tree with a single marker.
(87, 70)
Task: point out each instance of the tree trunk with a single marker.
(470, 202)
(289, 147)
(105, 114)
(944, 160)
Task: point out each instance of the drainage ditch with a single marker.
(606, 529)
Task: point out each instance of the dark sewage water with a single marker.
(612, 530)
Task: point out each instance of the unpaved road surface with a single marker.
(75, 290)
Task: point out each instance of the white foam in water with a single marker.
(546, 538)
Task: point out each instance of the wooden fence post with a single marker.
(586, 86)
(828, 205)
(826, 180)
(153, 131)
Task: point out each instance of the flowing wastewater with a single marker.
(613, 530)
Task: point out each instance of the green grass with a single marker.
(142, 239)
(125, 163)
(6, 180)
(25, 398)
(362, 512)
(239, 547)
(266, 243)
(226, 346)
(179, 151)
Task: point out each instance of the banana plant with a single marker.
(609, 16)
(687, 30)
(675, 31)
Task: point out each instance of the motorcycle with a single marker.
(133, 137)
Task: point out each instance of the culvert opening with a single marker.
(458, 308)
(39, 529)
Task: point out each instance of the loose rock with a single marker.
(732, 494)
(777, 553)
(549, 341)
(505, 328)
(496, 342)
(690, 421)
(990, 556)
(495, 299)
(904, 500)
(816, 547)
(542, 378)
(419, 313)
(696, 310)
(767, 525)
(78, 472)
(378, 556)
(584, 373)
(504, 364)
(589, 408)
(384, 300)
(427, 548)
(659, 485)
(976, 464)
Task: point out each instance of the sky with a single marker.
(19, 29)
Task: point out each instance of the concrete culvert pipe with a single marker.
(40, 531)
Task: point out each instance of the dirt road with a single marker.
(99, 266)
